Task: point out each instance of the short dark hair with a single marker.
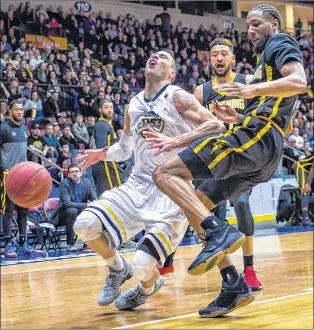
(103, 102)
(13, 103)
(223, 42)
(73, 165)
(268, 10)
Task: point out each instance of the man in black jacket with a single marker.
(51, 107)
(75, 194)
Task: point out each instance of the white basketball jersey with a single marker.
(160, 115)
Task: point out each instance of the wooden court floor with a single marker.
(63, 294)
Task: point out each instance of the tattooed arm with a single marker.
(191, 110)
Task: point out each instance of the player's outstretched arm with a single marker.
(119, 152)
(189, 107)
(292, 83)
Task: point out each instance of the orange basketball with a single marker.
(28, 184)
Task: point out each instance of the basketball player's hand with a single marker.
(306, 189)
(90, 157)
(226, 113)
(161, 143)
(237, 89)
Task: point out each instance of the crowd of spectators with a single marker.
(62, 90)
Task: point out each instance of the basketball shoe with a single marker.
(217, 242)
(168, 265)
(113, 284)
(229, 299)
(9, 252)
(133, 298)
(27, 251)
(251, 279)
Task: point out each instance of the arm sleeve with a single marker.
(65, 197)
(122, 150)
(282, 49)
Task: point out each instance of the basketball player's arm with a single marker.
(120, 151)
(191, 110)
(292, 83)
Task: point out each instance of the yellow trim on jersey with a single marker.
(108, 140)
(269, 77)
(245, 146)
(108, 175)
(280, 130)
(246, 121)
(164, 240)
(116, 220)
(117, 173)
(203, 143)
(301, 164)
(3, 195)
(230, 81)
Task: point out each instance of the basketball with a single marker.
(28, 184)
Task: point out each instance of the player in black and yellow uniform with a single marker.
(107, 175)
(13, 150)
(241, 158)
(304, 175)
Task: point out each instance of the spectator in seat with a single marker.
(86, 101)
(27, 90)
(37, 144)
(64, 154)
(51, 107)
(75, 194)
(34, 108)
(80, 131)
(118, 108)
(298, 139)
(57, 130)
(307, 149)
(52, 142)
(14, 90)
(68, 138)
(91, 122)
(24, 74)
(133, 83)
(36, 60)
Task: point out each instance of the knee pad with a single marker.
(88, 226)
(246, 225)
(144, 265)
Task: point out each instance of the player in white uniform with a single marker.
(123, 212)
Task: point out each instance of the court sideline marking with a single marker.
(196, 314)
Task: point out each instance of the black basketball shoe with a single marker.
(217, 242)
(229, 299)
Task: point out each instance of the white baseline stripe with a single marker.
(196, 314)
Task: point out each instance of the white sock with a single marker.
(146, 291)
(115, 262)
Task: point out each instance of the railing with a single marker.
(45, 160)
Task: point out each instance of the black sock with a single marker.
(248, 261)
(211, 222)
(21, 240)
(229, 275)
(7, 240)
(169, 260)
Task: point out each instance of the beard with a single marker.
(223, 74)
(107, 116)
(17, 119)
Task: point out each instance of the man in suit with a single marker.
(75, 194)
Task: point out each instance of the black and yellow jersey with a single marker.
(279, 50)
(210, 95)
(302, 170)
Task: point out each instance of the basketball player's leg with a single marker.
(104, 226)
(163, 235)
(246, 226)
(172, 179)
